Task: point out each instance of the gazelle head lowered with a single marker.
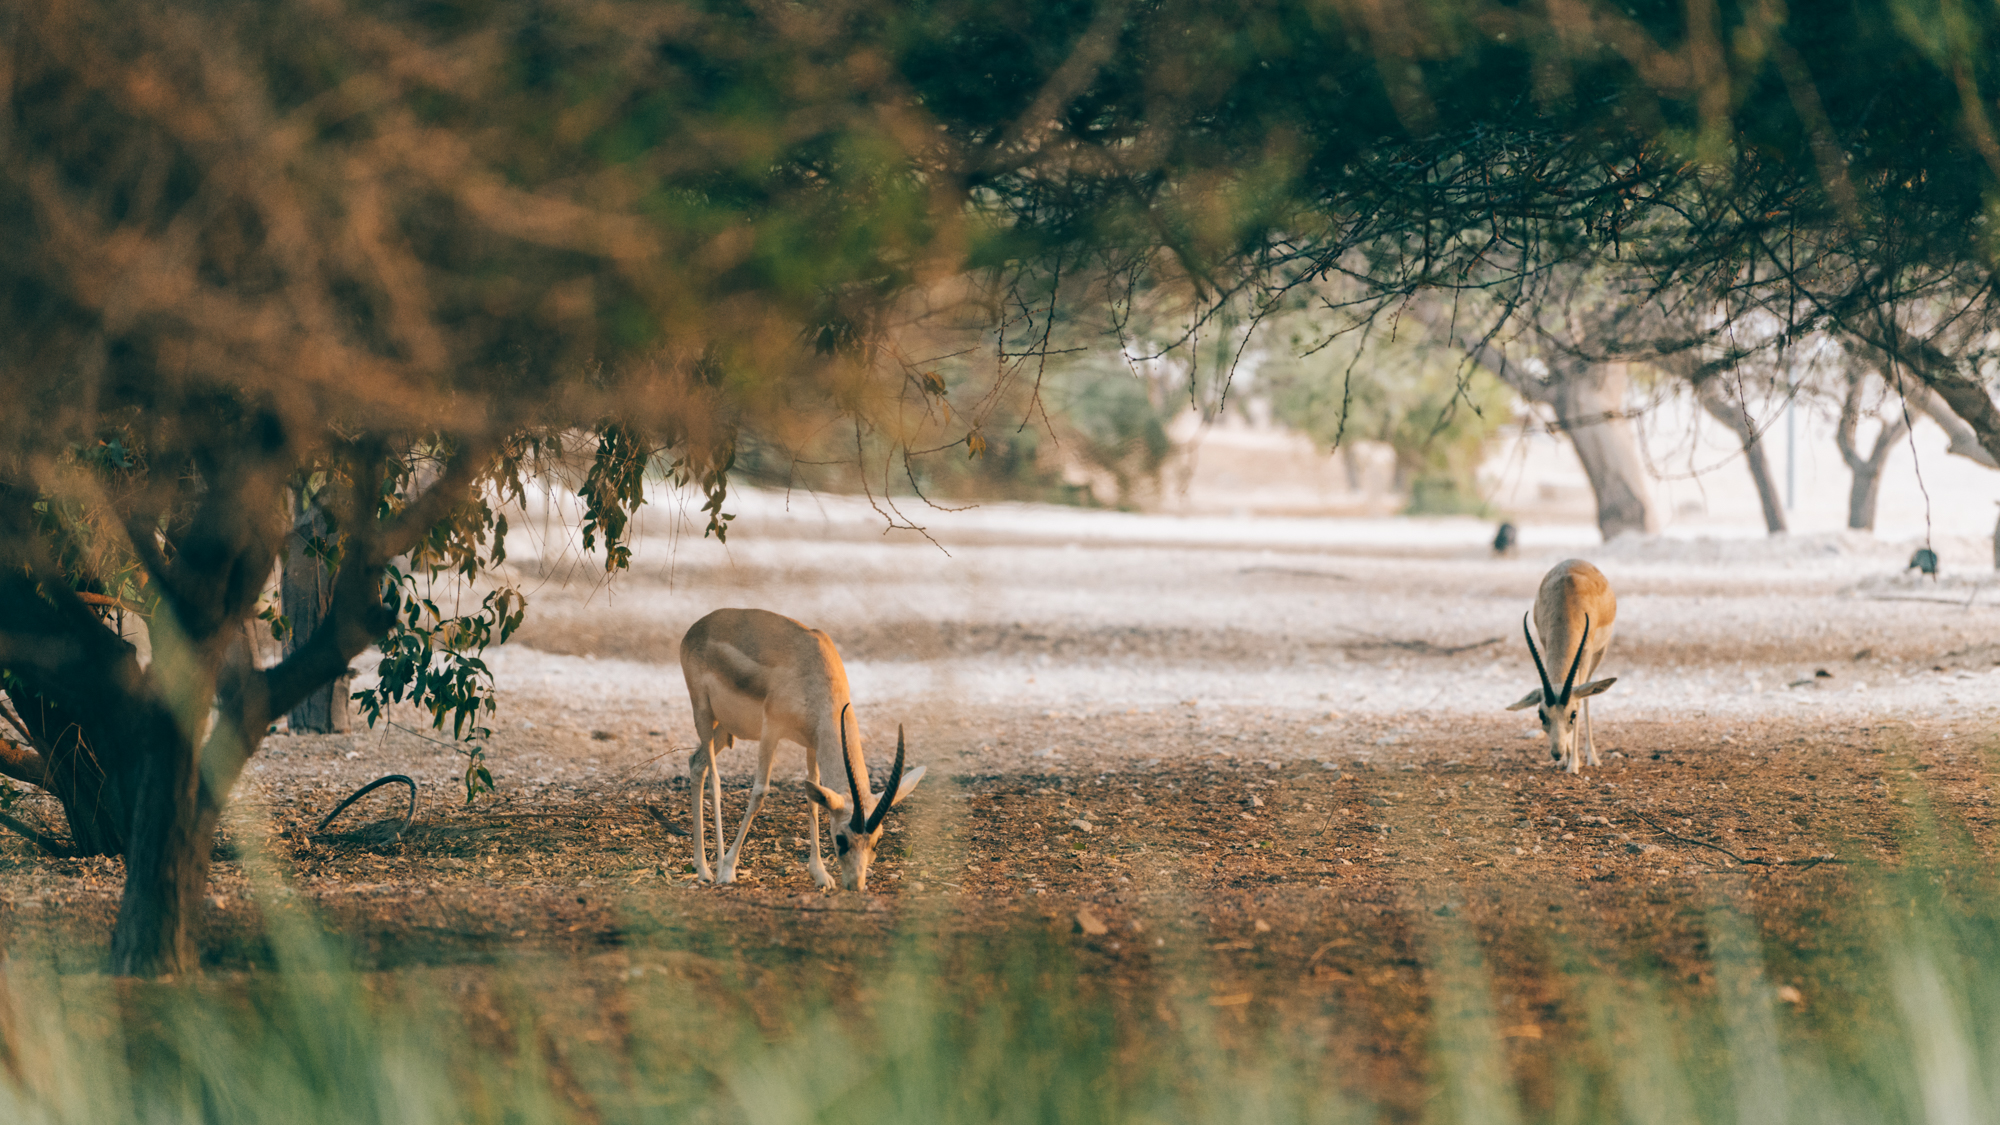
(1558, 710)
(854, 837)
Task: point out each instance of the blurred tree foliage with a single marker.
(1418, 398)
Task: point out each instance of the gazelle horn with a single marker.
(1577, 663)
(895, 783)
(853, 786)
(1548, 689)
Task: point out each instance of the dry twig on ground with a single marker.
(1802, 864)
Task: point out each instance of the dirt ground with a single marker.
(1271, 785)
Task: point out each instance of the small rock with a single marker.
(1082, 825)
(601, 736)
(1089, 923)
(1378, 802)
(1261, 926)
(1791, 995)
(1256, 802)
(1046, 752)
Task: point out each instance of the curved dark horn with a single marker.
(1548, 689)
(1570, 681)
(846, 759)
(895, 783)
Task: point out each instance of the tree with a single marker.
(305, 586)
(1415, 397)
(1730, 407)
(1866, 467)
(1570, 350)
(391, 264)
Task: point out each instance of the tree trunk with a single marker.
(1862, 497)
(304, 591)
(166, 870)
(1590, 407)
(1767, 489)
(1867, 486)
(1734, 415)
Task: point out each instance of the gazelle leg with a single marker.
(1589, 745)
(699, 765)
(815, 867)
(719, 743)
(767, 749)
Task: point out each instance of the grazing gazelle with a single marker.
(1574, 611)
(755, 674)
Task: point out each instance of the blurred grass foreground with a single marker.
(1893, 1020)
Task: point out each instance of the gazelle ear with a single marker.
(825, 798)
(1593, 688)
(910, 780)
(1531, 699)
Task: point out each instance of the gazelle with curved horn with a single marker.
(756, 674)
(1574, 611)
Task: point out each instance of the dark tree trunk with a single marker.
(305, 590)
(1734, 415)
(166, 870)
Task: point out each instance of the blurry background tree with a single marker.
(1417, 398)
(1881, 406)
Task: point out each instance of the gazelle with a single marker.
(1574, 611)
(755, 674)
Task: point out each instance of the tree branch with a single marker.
(23, 763)
(1956, 401)
(47, 843)
(1963, 441)
(408, 528)
(1850, 418)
